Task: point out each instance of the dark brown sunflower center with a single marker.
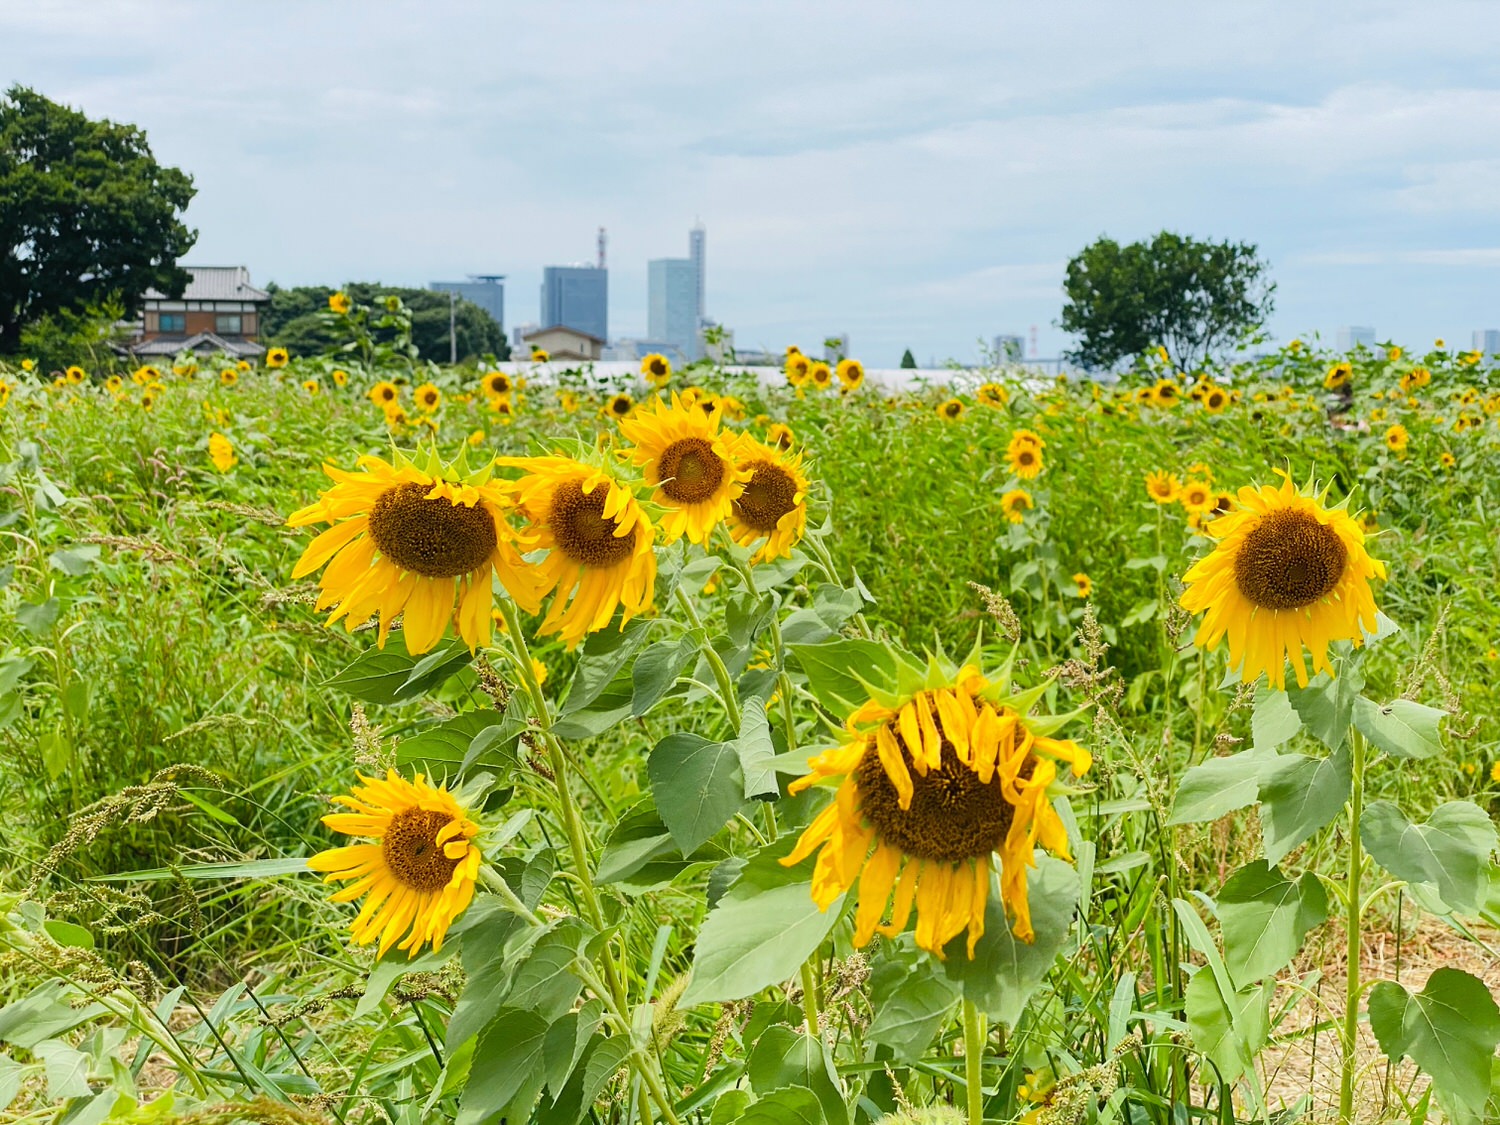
(411, 851)
(1289, 561)
(582, 530)
(953, 816)
(620, 406)
(433, 538)
(1025, 457)
(690, 471)
(658, 368)
(770, 494)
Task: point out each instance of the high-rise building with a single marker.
(1010, 349)
(1487, 341)
(1352, 337)
(698, 255)
(487, 290)
(576, 297)
(672, 304)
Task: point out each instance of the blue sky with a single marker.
(915, 175)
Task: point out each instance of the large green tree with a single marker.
(1195, 299)
(87, 215)
(294, 320)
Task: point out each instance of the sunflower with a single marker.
(1163, 486)
(312, 386)
(1287, 574)
(5, 389)
(340, 377)
(504, 408)
(539, 355)
(28, 365)
(851, 373)
(1025, 454)
(148, 401)
(992, 394)
(1338, 375)
(798, 368)
(1215, 399)
(1447, 460)
(220, 452)
(657, 369)
(1015, 504)
(1166, 393)
(690, 464)
(428, 397)
(773, 505)
(395, 416)
(277, 357)
(497, 383)
(1197, 496)
(75, 375)
(1085, 584)
(385, 393)
(229, 377)
(933, 781)
(418, 877)
(950, 410)
(340, 303)
(114, 384)
(619, 406)
(409, 540)
(392, 303)
(779, 435)
(1396, 438)
(821, 375)
(598, 540)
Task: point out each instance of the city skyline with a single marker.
(915, 189)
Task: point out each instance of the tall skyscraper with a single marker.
(672, 304)
(576, 297)
(1487, 341)
(1353, 337)
(487, 290)
(698, 255)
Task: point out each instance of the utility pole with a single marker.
(452, 327)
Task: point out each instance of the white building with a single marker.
(1353, 337)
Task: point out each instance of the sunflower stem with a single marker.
(974, 1061)
(727, 694)
(810, 998)
(1353, 906)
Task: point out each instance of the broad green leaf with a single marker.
(67, 1070)
(68, 934)
(656, 670)
(441, 750)
(834, 670)
(1298, 796)
(605, 655)
(542, 979)
(1449, 1029)
(1229, 1030)
(757, 751)
(729, 1106)
(640, 853)
(1006, 970)
(12, 668)
(566, 1042)
(391, 675)
(1326, 705)
(911, 997)
(75, 561)
(696, 785)
(507, 1072)
(794, 1105)
(37, 618)
(1274, 719)
(1401, 727)
(1451, 851)
(786, 1057)
(1218, 786)
(11, 1074)
(1264, 917)
(760, 932)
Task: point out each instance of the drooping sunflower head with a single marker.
(411, 539)
(277, 357)
(1163, 486)
(942, 772)
(657, 369)
(992, 394)
(950, 410)
(418, 873)
(1015, 504)
(1288, 574)
(689, 462)
(851, 373)
(598, 540)
(773, 504)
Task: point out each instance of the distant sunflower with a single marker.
(220, 452)
(1015, 504)
(1396, 438)
(1338, 375)
(1287, 574)
(418, 876)
(992, 394)
(114, 384)
(773, 505)
(340, 377)
(950, 410)
(312, 386)
(821, 375)
(75, 375)
(409, 541)
(689, 462)
(1085, 584)
(598, 541)
(1447, 460)
(779, 435)
(427, 397)
(1025, 454)
(931, 785)
(229, 376)
(339, 303)
(385, 393)
(497, 383)
(851, 373)
(619, 406)
(798, 368)
(1415, 379)
(1166, 393)
(503, 407)
(1197, 496)
(657, 369)
(1163, 486)
(1215, 399)
(277, 357)
(145, 374)
(539, 355)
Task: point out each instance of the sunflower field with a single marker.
(391, 742)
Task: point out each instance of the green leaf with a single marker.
(1218, 786)
(67, 1070)
(656, 670)
(1451, 851)
(391, 675)
(1401, 727)
(37, 618)
(1229, 1030)
(760, 932)
(1264, 917)
(727, 1107)
(1006, 970)
(251, 869)
(68, 934)
(507, 1072)
(794, 1105)
(1274, 719)
(11, 1075)
(911, 998)
(442, 750)
(831, 672)
(640, 853)
(75, 561)
(696, 785)
(757, 751)
(1326, 705)
(12, 668)
(1449, 1029)
(605, 655)
(785, 1057)
(1298, 796)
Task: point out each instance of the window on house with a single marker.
(172, 322)
(227, 325)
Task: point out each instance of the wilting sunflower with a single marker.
(1396, 438)
(851, 373)
(385, 393)
(779, 435)
(1163, 486)
(950, 410)
(277, 357)
(689, 462)
(410, 540)
(598, 541)
(773, 505)
(1338, 375)
(657, 369)
(418, 876)
(939, 775)
(798, 368)
(1085, 584)
(1197, 496)
(428, 397)
(1025, 455)
(220, 452)
(229, 377)
(820, 375)
(992, 394)
(1288, 573)
(1015, 504)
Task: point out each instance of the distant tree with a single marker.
(907, 359)
(292, 319)
(1193, 298)
(87, 215)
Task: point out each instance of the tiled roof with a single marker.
(204, 343)
(216, 283)
(562, 328)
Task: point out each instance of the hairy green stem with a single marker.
(974, 1062)
(1348, 1063)
(810, 998)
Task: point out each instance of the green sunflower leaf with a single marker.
(1449, 1029)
